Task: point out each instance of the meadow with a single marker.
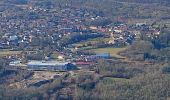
(114, 52)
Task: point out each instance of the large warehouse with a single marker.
(50, 65)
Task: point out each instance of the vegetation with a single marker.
(90, 42)
(144, 75)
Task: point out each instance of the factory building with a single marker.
(50, 65)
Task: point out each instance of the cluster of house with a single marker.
(123, 34)
(24, 23)
(27, 25)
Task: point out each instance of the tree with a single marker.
(3, 64)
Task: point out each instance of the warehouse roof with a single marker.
(46, 63)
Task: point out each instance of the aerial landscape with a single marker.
(84, 49)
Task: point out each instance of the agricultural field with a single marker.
(114, 52)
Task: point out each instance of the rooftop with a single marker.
(46, 63)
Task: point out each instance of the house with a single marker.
(13, 38)
(93, 28)
(15, 63)
(118, 31)
(140, 24)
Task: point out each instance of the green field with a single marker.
(113, 51)
(92, 41)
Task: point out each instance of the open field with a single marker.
(92, 41)
(113, 51)
(8, 53)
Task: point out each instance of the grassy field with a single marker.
(8, 53)
(113, 51)
(93, 41)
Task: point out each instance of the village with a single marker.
(62, 41)
(84, 49)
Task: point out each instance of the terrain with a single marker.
(117, 49)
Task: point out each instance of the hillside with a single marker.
(85, 50)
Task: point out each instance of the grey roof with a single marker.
(46, 63)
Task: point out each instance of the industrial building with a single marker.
(98, 56)
(50, 65)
